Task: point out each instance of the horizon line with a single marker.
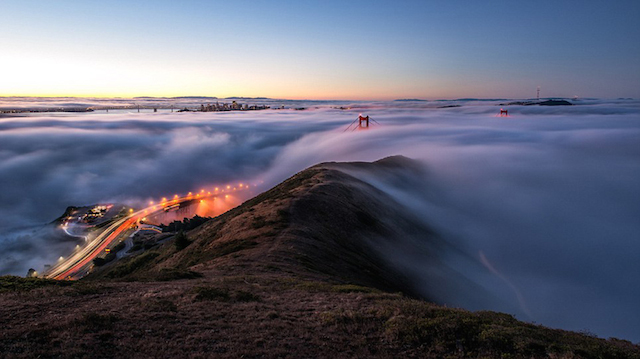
(308, 99)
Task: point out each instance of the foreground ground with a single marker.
(296, 272)
(268, 316)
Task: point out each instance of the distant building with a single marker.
(233, 106)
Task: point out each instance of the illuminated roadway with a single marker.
(79, 263)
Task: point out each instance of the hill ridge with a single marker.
(301, 270)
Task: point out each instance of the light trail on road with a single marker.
(80, 261)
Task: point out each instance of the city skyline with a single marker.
(326, 51)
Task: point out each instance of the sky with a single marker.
(355, 50)
(548, 197)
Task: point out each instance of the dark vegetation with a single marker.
(118, 247)
(291, 273)
(167, 274)
(100, 261)
(211, 293)
(147, 240)
(82, 288)
(113, 254)
(224, 295)
(132, 264)
(10, 283)
(181, 241)
(186, 224)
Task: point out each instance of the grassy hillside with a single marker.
(267, 316)
(295, 272)
(319, 224)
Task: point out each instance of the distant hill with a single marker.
(299, 271)
(247, 98)
(539, 103)
(194, 97)
(555, 103)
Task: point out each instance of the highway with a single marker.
(80, 261)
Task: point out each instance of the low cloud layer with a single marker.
(547, 198)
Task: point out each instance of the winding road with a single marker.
(80, 262)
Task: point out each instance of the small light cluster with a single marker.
(202, 194)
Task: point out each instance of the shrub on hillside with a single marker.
(181, 242)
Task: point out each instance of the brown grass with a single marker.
(269, 316)
(288, 274)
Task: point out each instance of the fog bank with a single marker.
(547, 199)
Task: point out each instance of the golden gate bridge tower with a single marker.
(363, 119)
(363, 123)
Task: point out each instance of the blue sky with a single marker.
(323, 49)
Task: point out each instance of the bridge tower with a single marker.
(363, 123)
(363, 120)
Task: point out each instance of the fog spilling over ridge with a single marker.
(546, 200)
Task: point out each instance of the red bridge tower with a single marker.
(363, 119)
(363, 123)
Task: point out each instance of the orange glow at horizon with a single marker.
(105, 75)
